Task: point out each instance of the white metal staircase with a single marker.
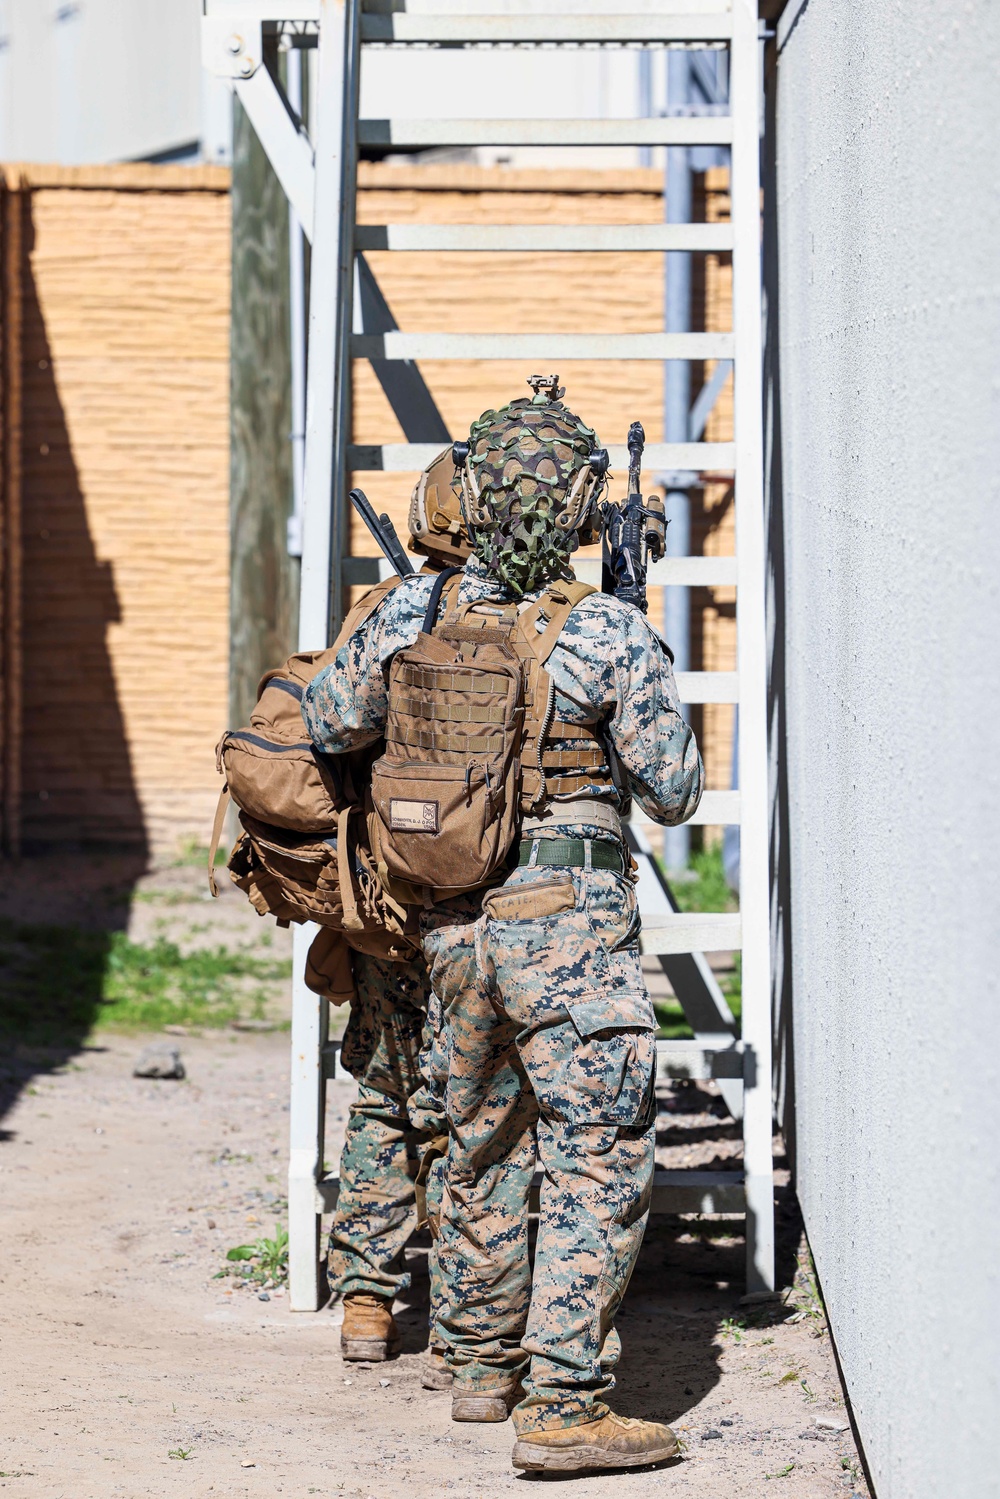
(319, 178)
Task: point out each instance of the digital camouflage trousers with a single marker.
(389, 1127)
(552, 1057)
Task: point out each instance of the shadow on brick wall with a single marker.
(70, 796)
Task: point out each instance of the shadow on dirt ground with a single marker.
(59, 913)
(688, 1284)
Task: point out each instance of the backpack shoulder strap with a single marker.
(557, 604)
(573, 590)
(304, 665)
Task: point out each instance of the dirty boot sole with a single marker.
(488, 1406)
(532, 1457)
(373, 1350)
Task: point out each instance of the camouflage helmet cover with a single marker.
(529, 487)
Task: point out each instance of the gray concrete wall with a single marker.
(887, 358)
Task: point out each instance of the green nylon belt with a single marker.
(572, 853)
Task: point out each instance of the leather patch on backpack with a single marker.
(531, 902)
(414, 816)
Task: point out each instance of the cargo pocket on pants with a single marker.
(622, 1028)
(597, 1067)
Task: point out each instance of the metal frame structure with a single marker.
(349, 319)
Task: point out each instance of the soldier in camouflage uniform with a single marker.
(391, 1166)
(383, 1146)
(552, 1051)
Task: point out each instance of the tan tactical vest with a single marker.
(471, 714)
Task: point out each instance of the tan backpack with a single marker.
(470, 710)
(302, 854)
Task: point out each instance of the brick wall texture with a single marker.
(124, 500)
(124, 371)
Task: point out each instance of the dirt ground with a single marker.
(130, 1369)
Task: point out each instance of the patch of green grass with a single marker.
(63, 982)
(705, 888)
(194, 855)
(264, 1259)
(180, 1453)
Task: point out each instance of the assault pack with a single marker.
(302, 854)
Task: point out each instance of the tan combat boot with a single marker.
(612, 1442)
(369, 1331)
(487, 1405)
(436, 1374)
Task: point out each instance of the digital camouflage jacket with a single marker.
(609, 667)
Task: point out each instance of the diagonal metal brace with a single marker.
(285, 143)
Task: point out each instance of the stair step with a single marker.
(686, 932)
(693, 1059)
(410, 457)
(545, 238)
(708, 686)
(542, 347)
(540, 27)
(401, 134)
(682, 572)
(566, 8)
(716, 809)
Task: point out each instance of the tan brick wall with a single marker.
(124, 461)
(125, 479)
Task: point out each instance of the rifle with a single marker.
(384, 533)
(634, 533)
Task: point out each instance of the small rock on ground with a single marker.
(159, 1060)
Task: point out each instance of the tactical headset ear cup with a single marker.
(437, 525)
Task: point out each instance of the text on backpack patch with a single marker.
(413, 817)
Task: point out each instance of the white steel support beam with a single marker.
(751, 647)
(327, 420)
(306, 1110)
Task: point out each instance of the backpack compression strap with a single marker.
(220, 817)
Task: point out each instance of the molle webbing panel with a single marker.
(472, 742)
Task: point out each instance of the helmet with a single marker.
(437, 529)
(531, 476)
